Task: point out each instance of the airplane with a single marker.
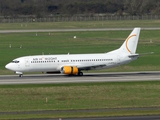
(73, 64)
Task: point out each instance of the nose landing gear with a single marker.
(20, 74)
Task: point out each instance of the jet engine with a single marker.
(70, 70)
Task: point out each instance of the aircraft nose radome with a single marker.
(7, 66)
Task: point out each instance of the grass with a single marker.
(86, 42)
(80, 96)
(83, 96)
(84, 24)
(81, 115)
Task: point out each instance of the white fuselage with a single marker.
(74, 63)
(53, 63)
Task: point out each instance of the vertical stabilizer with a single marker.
(130, 44)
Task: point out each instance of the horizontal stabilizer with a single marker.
(146, 53)
(137, 55)
(133, 55)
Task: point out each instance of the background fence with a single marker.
(78, 18)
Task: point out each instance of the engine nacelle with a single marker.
(70, 70)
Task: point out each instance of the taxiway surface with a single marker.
(87, 77)
(73, 30)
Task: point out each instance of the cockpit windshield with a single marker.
(15, 61)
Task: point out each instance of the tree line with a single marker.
(43, 8)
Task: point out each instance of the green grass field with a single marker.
(86, 42)
(84, 24)
(80, 96)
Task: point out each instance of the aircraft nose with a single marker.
(8, 66)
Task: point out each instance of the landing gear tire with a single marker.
(21, 75)
(80, 73)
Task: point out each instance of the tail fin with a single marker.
(130, 44)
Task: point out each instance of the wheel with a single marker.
(21, 75)
(80, 73)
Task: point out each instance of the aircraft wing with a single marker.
(89, 67)
(85, 67)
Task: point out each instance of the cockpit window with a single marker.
(15, 61)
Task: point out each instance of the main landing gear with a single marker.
(21, 75)
(80, 73)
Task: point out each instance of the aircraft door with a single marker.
(27, 64)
